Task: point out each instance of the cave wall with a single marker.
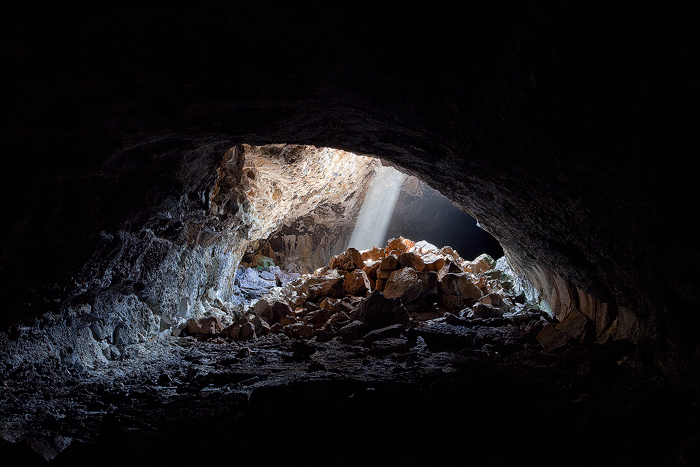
(565, 129)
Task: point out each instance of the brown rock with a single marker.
(450, 301)
(316, 317)
(481, 264)
(209, 325)
(378, 311)
(485, 311)
(411, 260)
(373, 254)
(389, 263)
(574, 325)
(276, 328)
(459, 284)
(299, 330)
(402, 244)
(287, 320)
(329, 284)
(492, 299)
(429, 279)
(246, 331)
(349, 260)
(353, 330)
(338, 320)
(357, 283)
(371, 268)
(433, 262)
(550, 338)
(380, 284)
(404, 284)
(383, 274)
(272, 312)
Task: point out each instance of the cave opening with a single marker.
(260, 309)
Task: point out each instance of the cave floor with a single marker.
(276, 400)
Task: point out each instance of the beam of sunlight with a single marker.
(377, 209)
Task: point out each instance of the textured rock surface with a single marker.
(567, 131)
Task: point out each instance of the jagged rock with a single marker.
(492, 299)
(574, 325)
(389, 263)
(289, 319)
(326, 333)
(433, 262)
(430, 281)
(349, 260)
(450, 301)
(459, 284)
(384, 274)
(357, 283)
(485, 311)
(380, 284)
(246, 331)
(404, 284)
(299, 330)
(402, 244)
(338, 320)
(371, 268)
(481, 264)
(395, 330)
(378, 311)
(209, 325)
(423, 248)
(276, 328)
(550, 338)
(316, 317)
(373, 254)
(273, 311)
(353, 330)
(411, 260)
(327, 284)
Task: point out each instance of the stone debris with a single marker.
(392, 295)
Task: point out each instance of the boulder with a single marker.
(389, 263)
(247, 331)
(403, 284)
(433, 262)
(481, 264)
(411, 260)
(357, 283)
(492, 299)
(209, 325)
(459, 284)
(349, 260)
(551, 339)
(450, 301)
(316, 317)
(380, 284)
(430, 281)
(299, 330)
(371, 268)
(485, 311)
(378, 311)
(402, 244)
(395, 330)
(373, 254)
(574, 325)
(271, 311)
(353, 330)
(327, 284)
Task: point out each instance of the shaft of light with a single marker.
(377, 209)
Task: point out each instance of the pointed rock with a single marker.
(357, 283)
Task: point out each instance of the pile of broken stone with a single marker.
(382, 293)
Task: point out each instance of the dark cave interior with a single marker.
(150, 153)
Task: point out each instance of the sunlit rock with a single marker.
(403, 284)
(357, 283)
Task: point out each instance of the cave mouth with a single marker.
(377, 354)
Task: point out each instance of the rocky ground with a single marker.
(406, 355)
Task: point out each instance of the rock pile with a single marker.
(378, 294)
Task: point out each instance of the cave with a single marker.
(152, 154)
